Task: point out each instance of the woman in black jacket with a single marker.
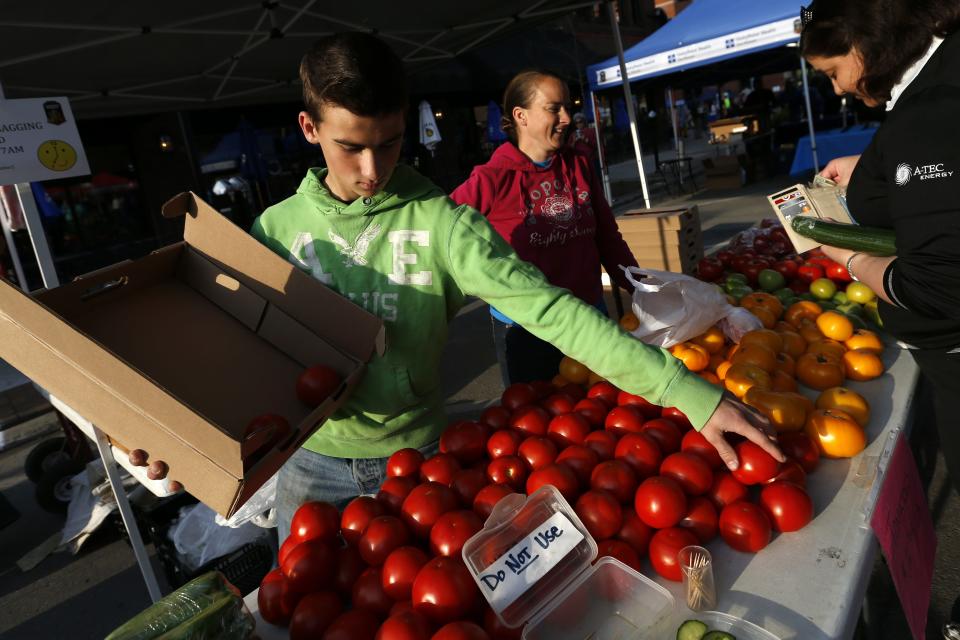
(905, 54)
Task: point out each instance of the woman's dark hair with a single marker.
(355, 71)
(890, 35)
(519, 93)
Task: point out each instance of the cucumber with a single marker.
(719, 635)
(879, 242)
(225, 618)
(692, 630)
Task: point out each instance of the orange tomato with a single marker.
(629, 322)
(693, 356)
(741, 377)
(793, 343)
(786, 411)
(827, 347)
(756, 354)
(559, 381)
(573, 370)
(712, 340)
(835, 326)
(722, 369)
(850, 402)
(802, 309)
(783, 325)
(764, 337)
(762, 300)
(715, 361)
(765, 316)
(786, 364)
(594, 378)
(862, 364)
(836, 433)
(783, 382)
(865, 339)
(809, 332)
(819, 372)
(709, 377)
(732, 349)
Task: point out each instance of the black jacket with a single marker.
(908, 179)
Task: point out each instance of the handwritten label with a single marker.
(904, 528)
(513, 573)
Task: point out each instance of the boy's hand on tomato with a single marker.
(732, 416)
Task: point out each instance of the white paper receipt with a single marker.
(513, 573)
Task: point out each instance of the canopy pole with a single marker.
(806, 98)
(673, 121)
(628, 95)
(601, 156)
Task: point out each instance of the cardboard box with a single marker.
(664, 239)
(175, 353)
(815, 202)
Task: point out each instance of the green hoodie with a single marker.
(411, 256)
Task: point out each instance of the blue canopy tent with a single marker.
(705, 33)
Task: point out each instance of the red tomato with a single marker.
(394, 491)
(530, 420)
(504, 443)
(518, 395)
(660, 502)
(600, 513)
(402, 606)
(497, 630)
(276, 599)
(508, 470)
(496, 417)
(702, 519)
(635, 532)
(581, 460)
(694, 442)
(452, 530)
(568, 428)
(488, 497)
(405, 625)
(382, 536)
(537, 452)
(286, 548)
(745, 527)
(593, 410)
(311, 563)
(619, 550)
(424, 506)
(790, 471)
(560, 476)
(573, 390)
(399, 569)
(807, 272)
(315, 521)
(641, 452)
(543, 388)
(623, 420)
(617, 477)
(368, 593)
(349, 567)
(800, 447)
(756, 465)
(466, 483)
(603, 443)
(460, 630)
(316, 384)
(355, 624)
(726, 490)
(261, 434)
(647, 408)
(558, 404)
(314, 613)
(788, 506)
(677, 417)
(664, 548)
(690, 471)
(440, 468)
(357, 515)
(465, 441)
(665, 432)
(405, 462)
(444, 590)
(604, 391)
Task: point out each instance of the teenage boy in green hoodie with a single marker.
(390, 240)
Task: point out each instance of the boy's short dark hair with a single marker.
(356, 71)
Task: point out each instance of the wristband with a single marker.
(849, 266)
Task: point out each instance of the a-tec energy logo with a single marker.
(906, 173)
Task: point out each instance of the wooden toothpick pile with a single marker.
(701, 594)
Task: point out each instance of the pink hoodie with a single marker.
(554, 217)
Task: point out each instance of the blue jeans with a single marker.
(313, 476)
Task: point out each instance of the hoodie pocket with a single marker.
(405, 390)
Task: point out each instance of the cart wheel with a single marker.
(44, 456)
(53, 487)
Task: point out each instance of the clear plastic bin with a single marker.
(733, 625)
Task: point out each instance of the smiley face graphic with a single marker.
(57, 155)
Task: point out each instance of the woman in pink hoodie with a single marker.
(544, 198)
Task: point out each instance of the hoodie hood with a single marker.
(405, 185)
(508, 156)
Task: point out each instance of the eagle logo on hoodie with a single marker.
(356, 254)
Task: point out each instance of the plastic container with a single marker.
(533, 563)
(733, 625)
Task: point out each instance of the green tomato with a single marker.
(784, 295)
(808, 296)
(771, 280)
(827, 305)
(840, 297)
(740, 292)
(823, 288)
(859, 292)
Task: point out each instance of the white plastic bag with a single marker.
(673, 308)
(258, 509)
(199, 539)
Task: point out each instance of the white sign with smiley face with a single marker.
(39, 141)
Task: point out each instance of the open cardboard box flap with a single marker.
(176, 352)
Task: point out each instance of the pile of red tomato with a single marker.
(644, 483)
